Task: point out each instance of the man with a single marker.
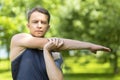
(31, 54)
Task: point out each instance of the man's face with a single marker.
(38, 24)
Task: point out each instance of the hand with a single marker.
(53, 44)
(96, 48)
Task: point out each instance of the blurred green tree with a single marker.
(89, 20)
(92, 20)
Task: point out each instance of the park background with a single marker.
(96, 21)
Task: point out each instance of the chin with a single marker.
(39, 36)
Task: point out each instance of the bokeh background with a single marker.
(96, 21)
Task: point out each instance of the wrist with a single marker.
(46, 49)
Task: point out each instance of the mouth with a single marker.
(39, 31)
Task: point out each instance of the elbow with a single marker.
(60, 77)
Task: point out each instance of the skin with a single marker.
(38, 26)
(51, 45)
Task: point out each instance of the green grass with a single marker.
(85, 65)
(87, 69)
(92, 76)
(73, 69)
(5, 73)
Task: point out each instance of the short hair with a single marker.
(39, 9)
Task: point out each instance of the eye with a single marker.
(43, 22)
(35, 21)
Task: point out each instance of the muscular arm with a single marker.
(22, 41)
(28, 41)
(77, 45)
(54, 73)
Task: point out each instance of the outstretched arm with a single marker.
(22, 41)
(77, 45)
(28, 41)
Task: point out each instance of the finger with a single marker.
(109, 50)
(53, 40)
(106, 49)
(50, 39)
(60, 43)
(56, 41)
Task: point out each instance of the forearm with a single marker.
(28, 41)
(68, 44)
(75, 45)
(52, 70)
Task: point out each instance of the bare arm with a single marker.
(22, 41)
(77, 45)
(54, 73)
(28, 41)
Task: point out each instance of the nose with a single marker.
(39, 24)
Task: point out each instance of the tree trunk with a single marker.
(115, 62)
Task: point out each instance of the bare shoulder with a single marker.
(20, 35)
(15, 48)
(18, 38)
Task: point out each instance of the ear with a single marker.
(48, 27)
(27, 25)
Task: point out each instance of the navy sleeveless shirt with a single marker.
(30, 65)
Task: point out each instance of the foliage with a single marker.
(96, 21)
